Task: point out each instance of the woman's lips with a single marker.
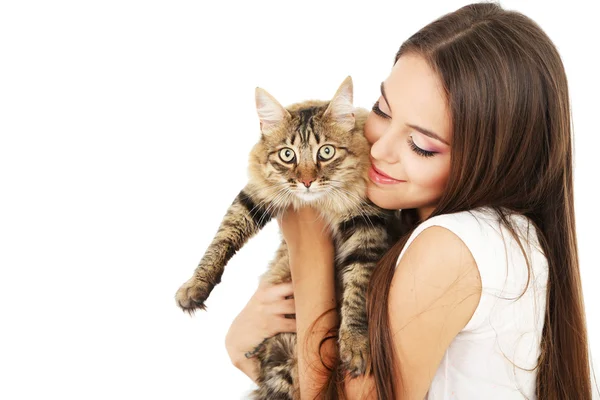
(379, 177)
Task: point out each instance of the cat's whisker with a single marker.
(286, 201)
(258, 204)
(353, 196)
(340, 197)
(280, 201)
(267, 200)
(274, 203)
(283, 200)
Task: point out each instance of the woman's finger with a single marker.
(285, 325)
(278, 292)
(284, 307)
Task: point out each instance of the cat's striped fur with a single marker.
(335, 185)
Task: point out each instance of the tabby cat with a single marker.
(313, 152)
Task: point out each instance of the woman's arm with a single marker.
(311, 255)
(433, 294)
(435, 290)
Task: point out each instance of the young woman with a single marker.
(481, 298)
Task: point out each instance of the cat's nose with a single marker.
(307, 182)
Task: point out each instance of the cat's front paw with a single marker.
(354, 350)
(192, 295)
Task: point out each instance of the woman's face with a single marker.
(409, 131)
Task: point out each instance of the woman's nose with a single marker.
(385, 149)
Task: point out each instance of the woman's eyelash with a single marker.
(378, 111)
(419, 150)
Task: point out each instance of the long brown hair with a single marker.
(511, 150)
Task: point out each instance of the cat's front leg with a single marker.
(353, 333)
(244, 218)
(365, 240)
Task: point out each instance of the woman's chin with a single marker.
(380, 198)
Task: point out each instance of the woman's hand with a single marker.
(305, 228)
(261, 318)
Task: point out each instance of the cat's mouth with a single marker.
(309, 191)
(309, 195)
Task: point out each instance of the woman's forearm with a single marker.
(312, 268)
(248, 366)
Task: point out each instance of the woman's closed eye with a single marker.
(378, 111)
(411, 143)
(419, 150)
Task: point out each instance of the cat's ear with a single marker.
(270, 112)
(341, 110)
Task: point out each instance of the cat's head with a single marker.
(312, 151)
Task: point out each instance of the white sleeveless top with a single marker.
(490, 356)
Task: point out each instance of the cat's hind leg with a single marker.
(278, 378)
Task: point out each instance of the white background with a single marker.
(125, 130)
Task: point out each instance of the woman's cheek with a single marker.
(445, 172)
(370, 129)
(415, 169)
(422, 171)
(438, 174)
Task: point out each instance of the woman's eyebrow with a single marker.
(385, 98)
(429, 133)
(415, 127)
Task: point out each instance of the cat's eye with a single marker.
(287, 155)
(326, 152)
